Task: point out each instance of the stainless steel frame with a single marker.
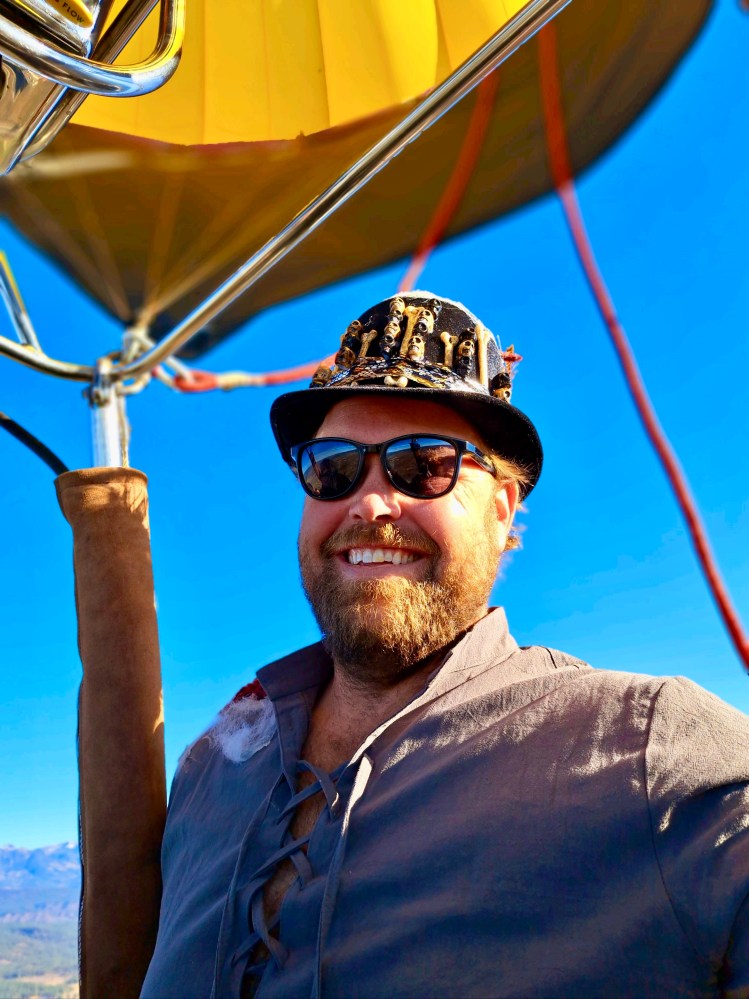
(109, 427)
(19, 317)
(64, 102)
(67, 69)
(533, 16)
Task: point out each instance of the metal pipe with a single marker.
(507, 40)
(19, 317)
(106, 436)
(478, 66)
(62, 106)
(39, 361)
(108, 420)
(54, 63)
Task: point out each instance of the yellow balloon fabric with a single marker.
(149, 228)
(254, 70)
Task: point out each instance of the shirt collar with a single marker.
(488, 642)
(303, 669)
(485, 644)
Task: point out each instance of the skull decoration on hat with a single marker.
(419, 346)
(418, 340)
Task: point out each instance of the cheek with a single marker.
(319, 521)
(467, 519)
(464, 506)
(441, 519)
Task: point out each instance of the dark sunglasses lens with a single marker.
(422, 466)
(328, 468)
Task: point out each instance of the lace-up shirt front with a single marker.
(525, 826)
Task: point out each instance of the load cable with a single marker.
(33, 443)
(556, 139)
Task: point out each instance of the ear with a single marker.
(506, 498)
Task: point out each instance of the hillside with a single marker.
(39, 922)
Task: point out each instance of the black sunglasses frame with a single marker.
(461, 448)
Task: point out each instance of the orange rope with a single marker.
(294, 374)
(455, 189)
(562, 176)
(207, 381)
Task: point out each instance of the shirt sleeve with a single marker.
(697, 779)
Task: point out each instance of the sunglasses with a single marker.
(418, 465)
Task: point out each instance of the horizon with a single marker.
(606, 571)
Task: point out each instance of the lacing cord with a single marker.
(363, 773)
(260, 930)
(327, 783)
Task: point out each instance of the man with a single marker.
(417, 806)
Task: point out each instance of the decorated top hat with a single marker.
(418, 346)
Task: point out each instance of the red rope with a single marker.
(562, 176)
(455, 189)
(208, 381)
(198, 381)
(293, 374)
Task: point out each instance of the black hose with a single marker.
(39, 449)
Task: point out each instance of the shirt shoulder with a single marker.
(696, 740)
(247, 723)
(697, 782)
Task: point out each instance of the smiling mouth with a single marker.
(369, 556)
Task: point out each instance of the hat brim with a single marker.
(296, 417)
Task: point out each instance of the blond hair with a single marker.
(510, 471)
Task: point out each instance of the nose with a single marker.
(375, 498)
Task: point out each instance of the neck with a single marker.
(360, 703)
(355, 703)
(351, 693)
(349, 710)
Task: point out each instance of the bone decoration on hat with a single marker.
(419, 346)
(418, 340)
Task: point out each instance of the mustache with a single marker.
(377, 536)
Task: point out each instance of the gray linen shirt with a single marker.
(525, 826)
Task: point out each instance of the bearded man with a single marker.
(416, 806)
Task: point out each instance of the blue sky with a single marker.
(606, 572)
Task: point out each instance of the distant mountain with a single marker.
(39, 886)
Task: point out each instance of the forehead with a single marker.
(373, 420)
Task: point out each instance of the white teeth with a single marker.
(377, 555)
